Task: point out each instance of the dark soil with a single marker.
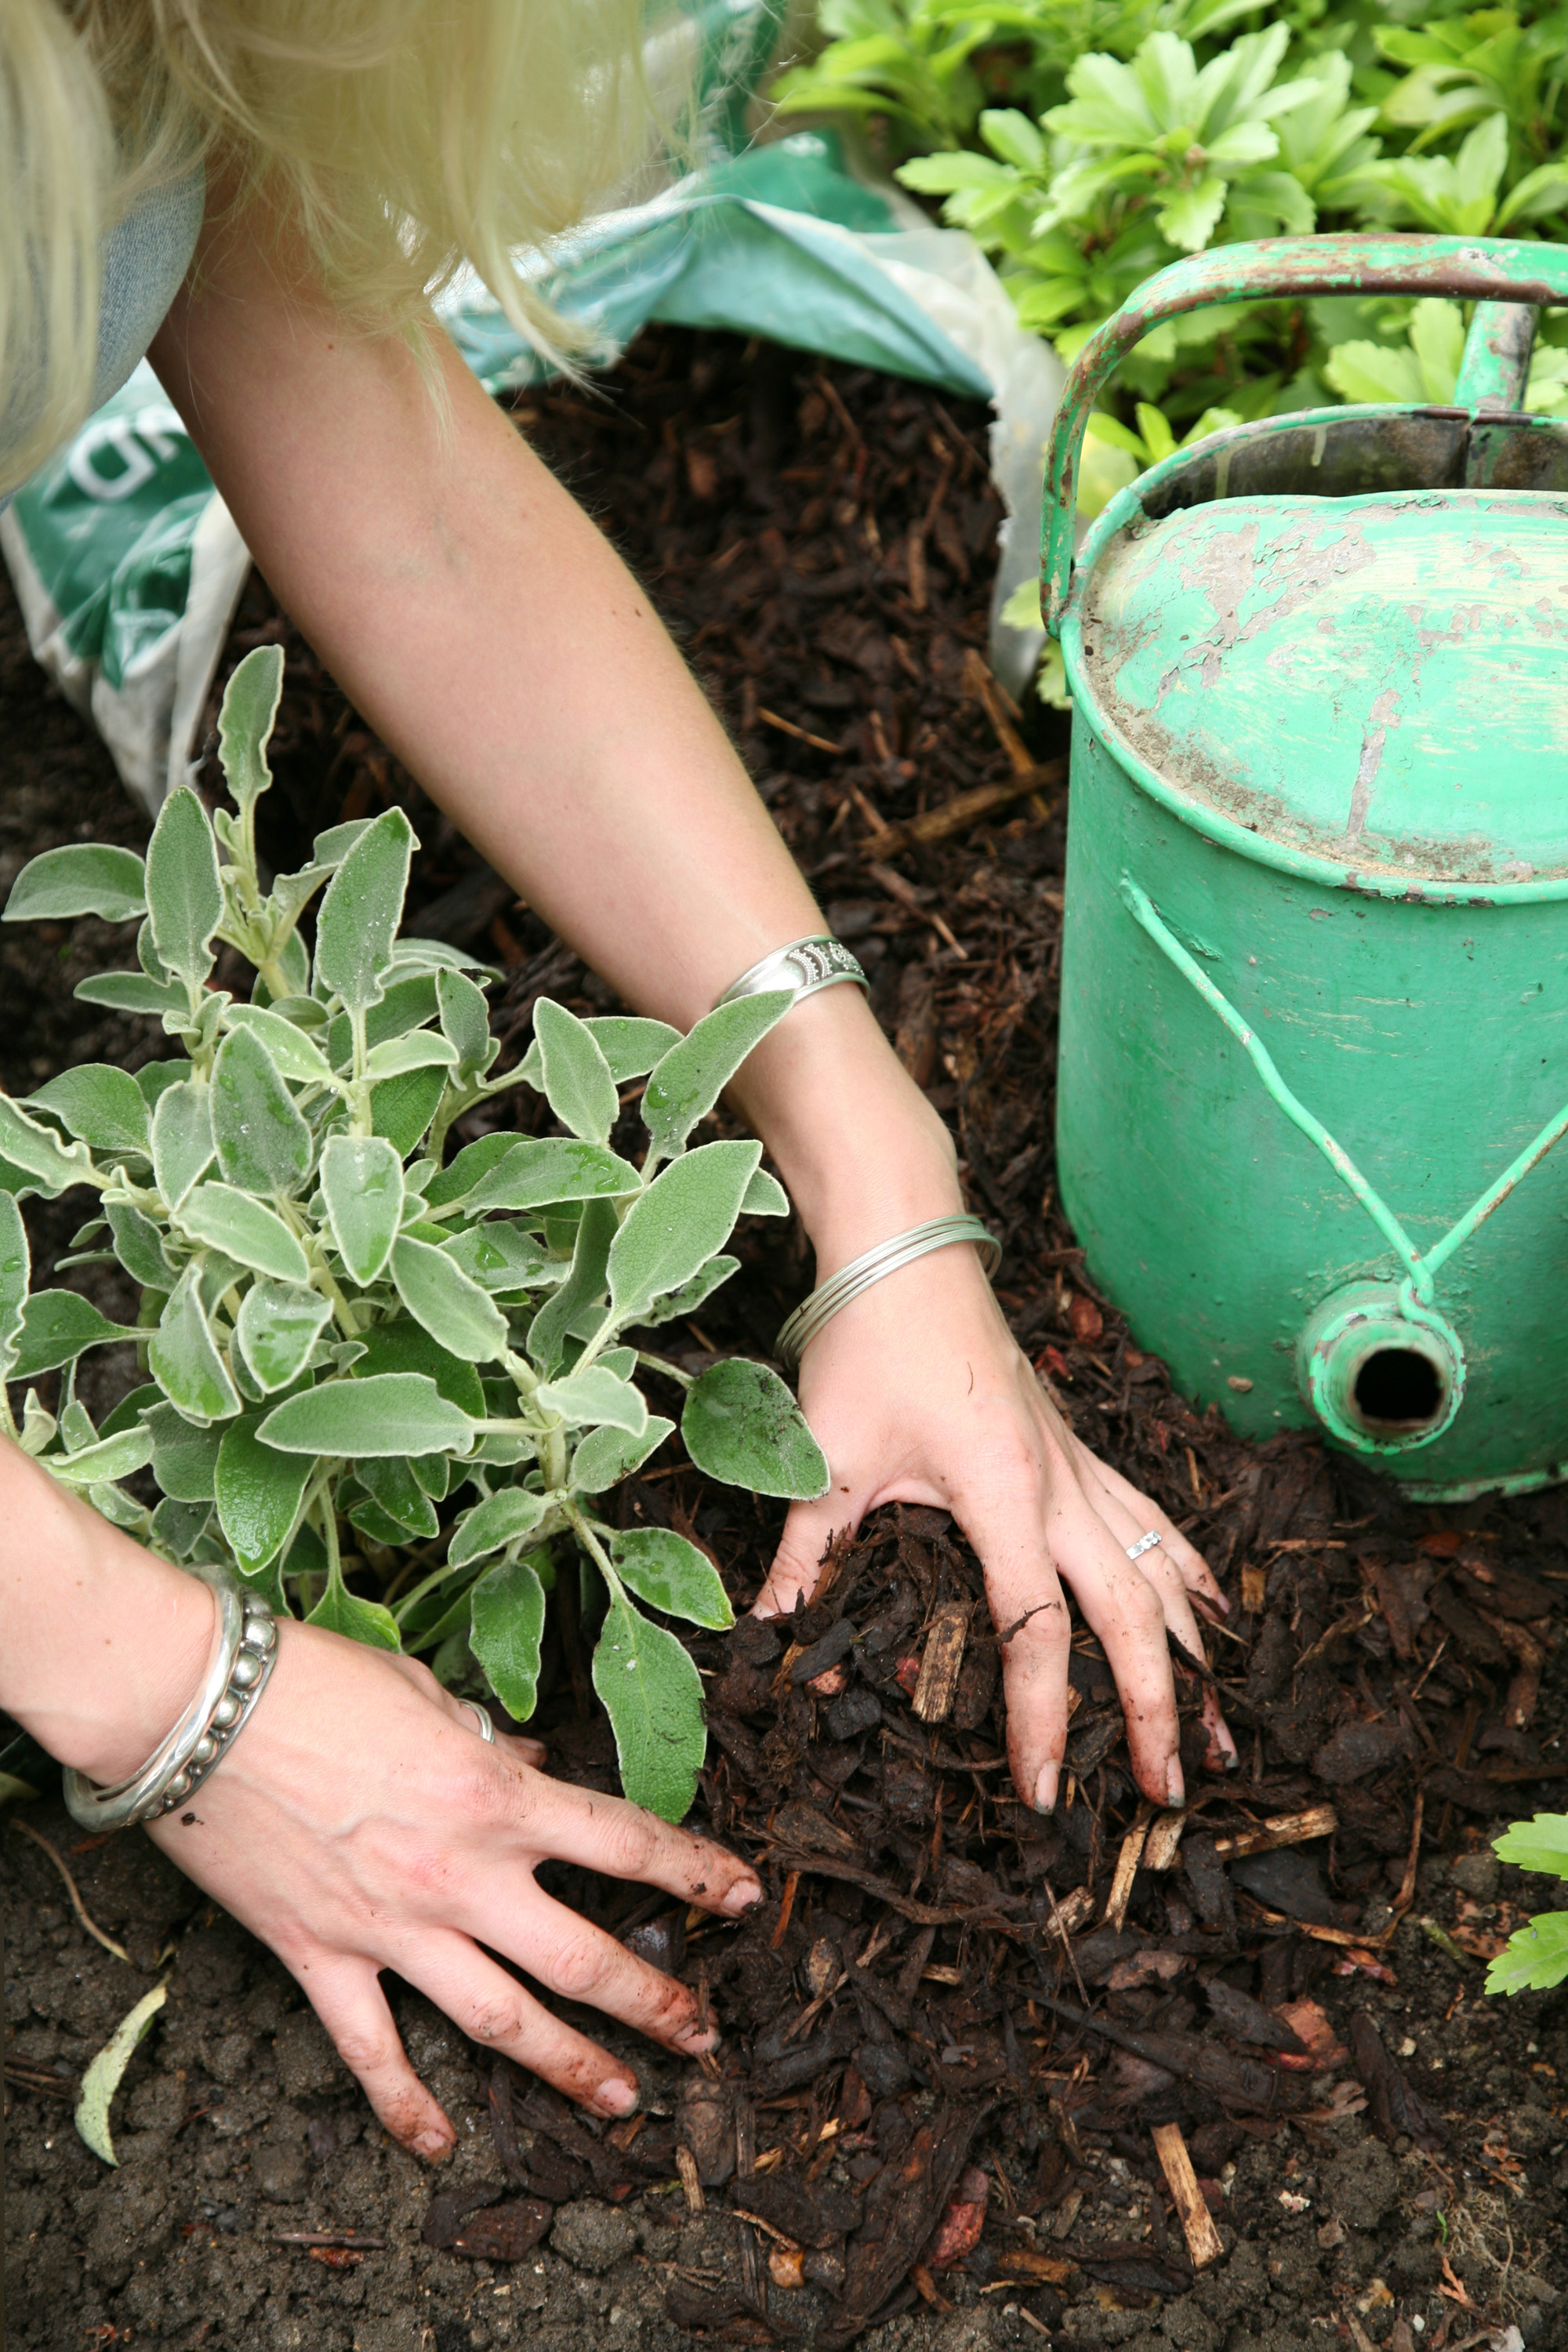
(947, 2040)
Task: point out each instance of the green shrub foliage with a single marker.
(1535, 1956)
(346, 1332)
(1086, 143)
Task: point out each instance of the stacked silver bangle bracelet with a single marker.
(244, 1651)
(887, 1257)
(806, 966)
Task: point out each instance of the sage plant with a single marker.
(344, 1330)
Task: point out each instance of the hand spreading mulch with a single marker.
(1099, 2073)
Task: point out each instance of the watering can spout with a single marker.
(1383, 1373)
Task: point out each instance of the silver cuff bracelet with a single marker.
(806, 966)
(244, 1651)
(887, 1257)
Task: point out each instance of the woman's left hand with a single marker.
(917, 1394)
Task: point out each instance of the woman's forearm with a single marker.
(102, 1645)
(491, 635)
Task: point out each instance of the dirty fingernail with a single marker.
(1045, 1789)
(1176, 1787)
(617, 2097)
(433, 2145)
(742, 1896)
(696, 2039)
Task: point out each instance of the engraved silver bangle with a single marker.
(244, 1651)
(887, 1257)
(806, 966)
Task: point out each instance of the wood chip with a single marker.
(1285, 1829)
(909, 897)
(1253, 1588)
(1197, 2222)
(957, 814)
(940, 1664)
(1050, 2270)
(686, 2164)
(1127, 1863)
(1164, 1837)
(785, 1907)
(1073, 1912)
(801, 734)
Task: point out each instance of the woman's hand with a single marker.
(917, 1394)
(361, 1823)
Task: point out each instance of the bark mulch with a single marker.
(965, 2046)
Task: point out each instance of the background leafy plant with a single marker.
(1535, 1956)
(345, 1331)
(1086, 143)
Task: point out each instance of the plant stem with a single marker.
(671, 1371)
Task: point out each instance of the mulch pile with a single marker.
(938, 1971)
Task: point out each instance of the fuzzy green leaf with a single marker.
(16, 1272)
(387, 1414)
(362, 1177)
(184, 1460)
(245, 723)
(464, 1017)
(1539, 1843)
(764, 1197)
(689, 1081)
(670, 1574)
(501, 1257)
(183, 1356)
(474, 1161)
(103, 1106)
(420, 1049)
(91, 877)
(607, 1455)
(578, 1084)
(506, 1629)
(459, 1315)
(742, 1424)
(245, 1230)
(654, 1700)
(359, 913)
(184, 894)
(404, 1346)
(258, 1492)
(182, 1139)
(278, 1325)
(684, 1218)
(493, 1524)
(342, 1611)
(104, 2072)
(111, 1457)
(673, 1303)
(39, 1153)
(596, 1395)
(1534, 1957)
(138, 1247)
(393, 1486)
(263, 1144)
(401, 1109)
(536, 1174)
(130, 992)
(296, 1054)
(57, 1326)
(583, 1289)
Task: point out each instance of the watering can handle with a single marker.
(1465, 269)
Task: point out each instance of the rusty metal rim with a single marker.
(1126, 508)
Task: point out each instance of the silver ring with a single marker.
(485, 1729)
(1144, 1543)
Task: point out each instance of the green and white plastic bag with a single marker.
(128, 565)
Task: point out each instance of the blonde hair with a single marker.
(404, 137)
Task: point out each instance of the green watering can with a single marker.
(1314, 1001)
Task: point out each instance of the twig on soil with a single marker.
(801, 734)
(347, 2240)
(907, 897)
(78, 1905)
(1286, 1829)
(1197, 2222)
